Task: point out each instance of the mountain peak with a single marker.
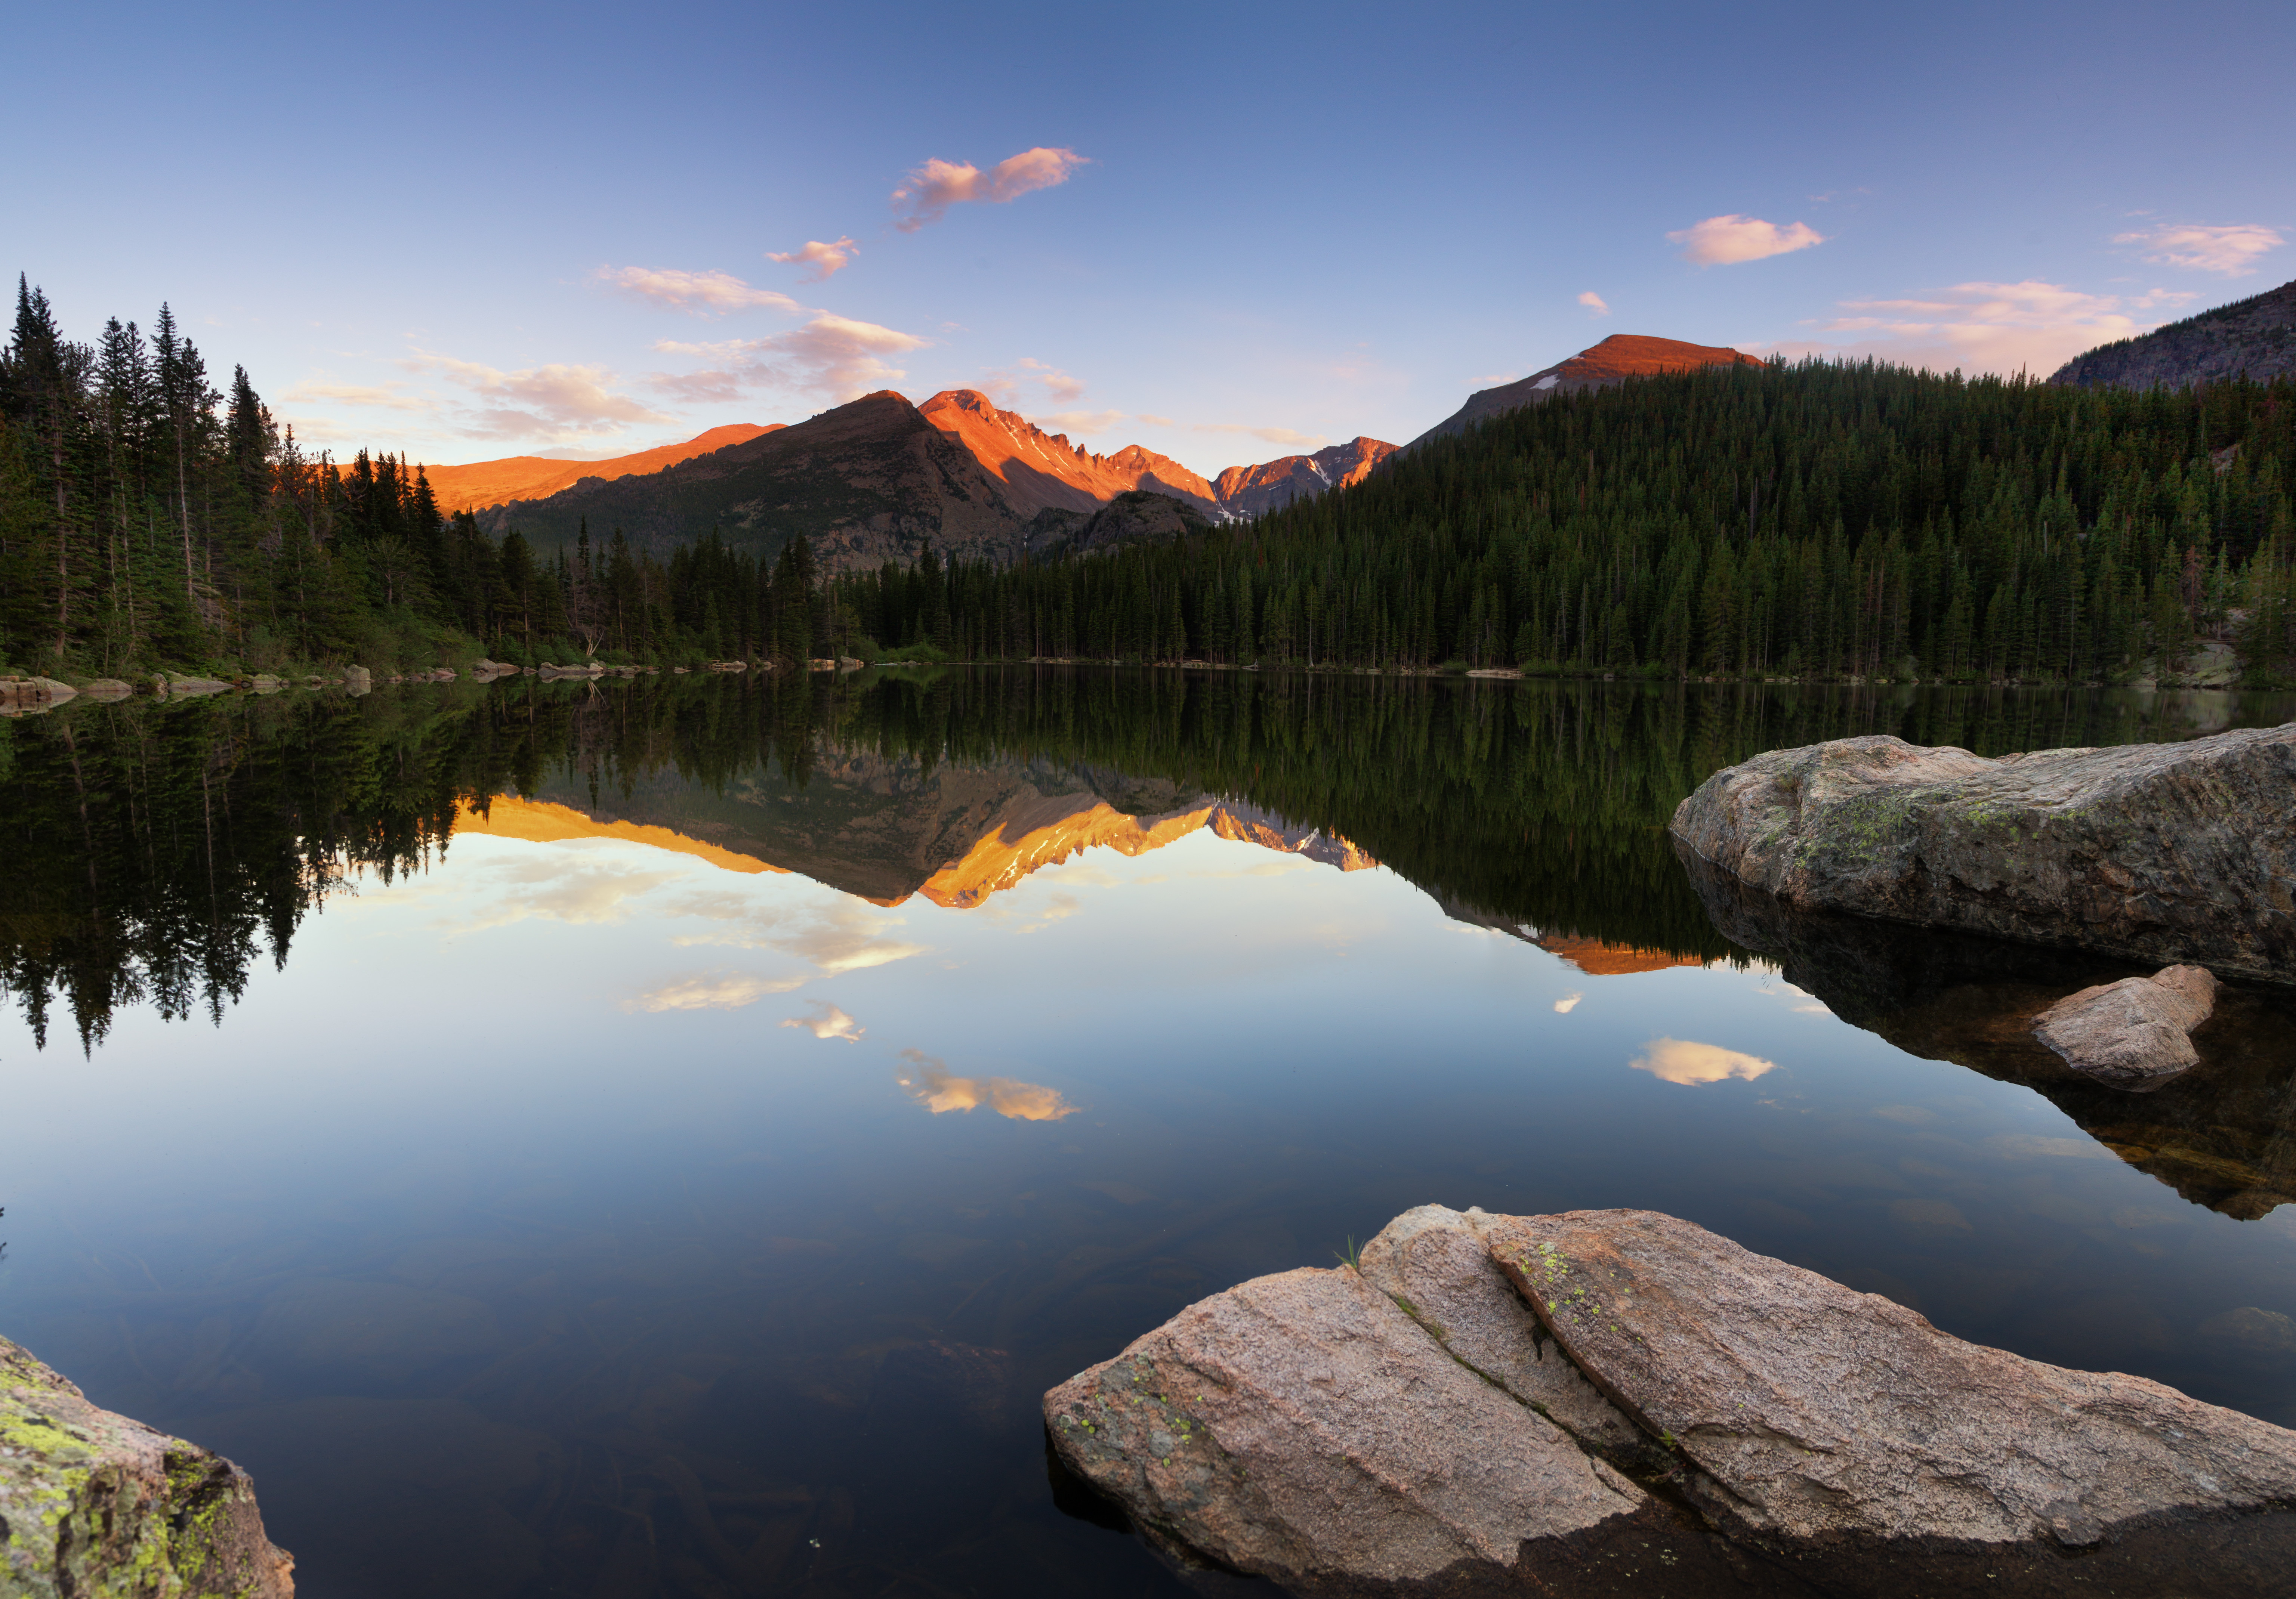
(1617, 358)
(2254, 338)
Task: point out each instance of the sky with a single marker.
(1226, 233)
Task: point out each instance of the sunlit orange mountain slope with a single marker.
(1044, 471)
(484, 483)
(1618, 358)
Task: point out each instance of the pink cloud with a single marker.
(831, 355)
(699, 291)
(1724, 241)
(1595, 303)
(927, 192)
(2031, 326)
(825, 261)
(2231, 250)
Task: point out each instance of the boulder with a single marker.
(358, 680)
(2135, 1033)
(179, 684)
(92, 1503)
(1304, 1428)
(821, 666)
(846, 663)
(107, 688)
(263, 683)
(2160, 853)
(1446, 1417)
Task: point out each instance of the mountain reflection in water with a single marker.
(701, 1115)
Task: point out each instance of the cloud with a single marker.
(1595, 303)
(827, 1021)
(1077, 422)
(927, 192)
(1677, 1061)
(385, 395)
(1568, 1003)
(712, 993)
(2032, 326)
(830, 355)
(825, 261)
(552, 400)
(1724, 241)
(701, 292)
(1272, 435)
(1145, 420)
(2231, 250)
(931, 1084)
(546, 887)
(840, 938)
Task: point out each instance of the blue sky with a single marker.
(1223, 233)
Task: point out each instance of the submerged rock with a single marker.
(95, 1503)
(2133, 1033)
(1446, 1417)
(2156, 852)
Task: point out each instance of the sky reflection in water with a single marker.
(599, 1212)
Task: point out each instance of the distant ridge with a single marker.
(2254, 338)
(1618, 358)
(483, 483)
(1249, 491)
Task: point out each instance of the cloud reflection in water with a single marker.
(1680, 1061)
(931, 1084)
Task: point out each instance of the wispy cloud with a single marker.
(1079, 423)
(1595, 303)
(1724, 241)
(701, 292)
(1272, 435)
(2231, 251)
(545, 886)
(827, 1021)
(552, 401)
(388, 396)
(2032, 326)
(712, 993)
(926, 194)
(830, 355)
(822, 261)
(843, 937)
(1680, 1061)
(1569, 1002)
(931, 1083)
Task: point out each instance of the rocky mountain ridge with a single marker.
(480, 484)
(2252, 338)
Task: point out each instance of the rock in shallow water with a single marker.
(1342, 1433)
(94, 1503)
(2159, 852)
(2135, 1033)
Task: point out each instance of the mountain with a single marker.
(484, 483)
(1618, 358)
(883, 830)
(879, 478)
(2253, 338)
(1042, 470)
(1249, 491)
(867, 480)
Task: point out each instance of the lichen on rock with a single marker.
(93, 1505)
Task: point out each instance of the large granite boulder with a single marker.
(2160, 853)
(2135, 1033)
(95, 1503)
(1617, 1401)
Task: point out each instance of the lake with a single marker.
(660, 1138)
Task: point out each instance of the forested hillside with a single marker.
(1813, 521)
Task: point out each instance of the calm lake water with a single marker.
(661, 1138)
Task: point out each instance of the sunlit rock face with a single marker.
(1249, 491)
(1618, 1401)
(1041, 471)
(1618, 358)
(541, 822)
(2221, 1133)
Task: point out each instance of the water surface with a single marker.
(661, 1138)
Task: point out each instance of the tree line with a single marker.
(150, 517)
(1811, 521)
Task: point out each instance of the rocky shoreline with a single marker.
(1620, 1402)
(92, 1503)
(2160, 853)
